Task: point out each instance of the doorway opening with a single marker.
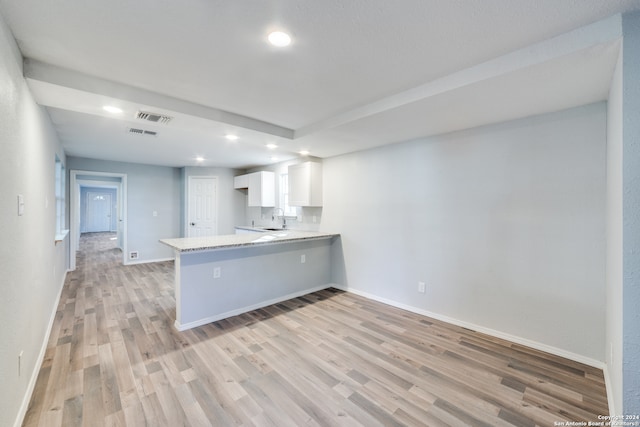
(98, 205)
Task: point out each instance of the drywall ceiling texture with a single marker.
(631, 208)
(344, 54)
(358, 74)
(504, 224)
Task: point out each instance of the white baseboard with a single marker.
(195, 324)
(609, 387)
(43, 349)
(147, 261)
(494, 333)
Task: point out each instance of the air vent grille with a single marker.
(153, 117)
(142, 132)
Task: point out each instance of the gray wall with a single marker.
(250, 277)
(504, 223)
(149, 188)
(613, 343)
(32, 266)
(631, 212)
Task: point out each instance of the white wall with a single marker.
(149, 189)
(613, 347)
(504, 223)
(29, 295)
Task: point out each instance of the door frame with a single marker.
(74, 207)
(188, 205)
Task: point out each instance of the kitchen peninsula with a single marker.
(222, 276)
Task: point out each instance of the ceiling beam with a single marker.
(40, 71)
(598, 33)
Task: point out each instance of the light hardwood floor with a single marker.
(327, 359)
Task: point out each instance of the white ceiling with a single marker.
(359, 73)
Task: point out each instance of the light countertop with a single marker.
(256, 229)
(191, 244)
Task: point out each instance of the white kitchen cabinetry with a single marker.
(262, 189)
(305, 184)
(261, 185)
(241, 181)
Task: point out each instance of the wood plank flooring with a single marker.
(326, 359)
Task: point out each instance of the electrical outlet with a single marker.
(133, 255)
(155, 213)
(303, 259)
(217, 272)
(421, 287)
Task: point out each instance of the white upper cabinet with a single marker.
(262, 189)
(305, 184)
(261, 185)
(241, 181)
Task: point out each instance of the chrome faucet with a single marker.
(274, 216)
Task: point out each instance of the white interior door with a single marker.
(202, 217)
(98, 213)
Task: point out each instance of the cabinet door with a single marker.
(241, 181)
(261, 189)
(299, 184)
(255, 189)
(305, 184)
(268, 189)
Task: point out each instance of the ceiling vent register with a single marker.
(153, 117)
(141, 132)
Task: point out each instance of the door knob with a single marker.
(193, 224)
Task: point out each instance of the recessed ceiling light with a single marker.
(112, 109)
(279, 39)
(304, 153)
(199, 159)
(232, 137)
(271, 146)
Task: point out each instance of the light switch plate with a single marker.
(20, 205)
(421, 287)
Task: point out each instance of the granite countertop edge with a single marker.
(231, 241)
